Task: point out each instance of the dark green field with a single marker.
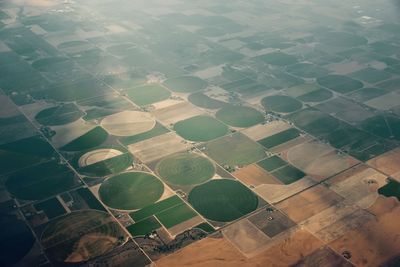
(23, 153)
(91, 139)
(59, 115)
(51, 207)
(41, 181)
(339, 83)
(239, 116)
(185, 169)
(366, 94)
(391, 189)
(280, 138)
(144, 227)
(176, 215)
(278, 59)
(109, 166)
(281, 103)
(272, 163)
(148, 94)
(185, 84)
(288, 174)
(235, 149)
(156, 131)
(223, 200)
(155, 208)
(16, 240)
(131, 190)
(316, 96)
(385, 126)
(200, 129)
(203, 101)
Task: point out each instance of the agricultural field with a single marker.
(199, 133)
(200, 129)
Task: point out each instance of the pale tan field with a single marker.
(387, 163)
(218, 252)
(274, 193)
(97, 155)
(127, 123)
(253, 175)
(173, 114)
(374, 242)
(158, 147)
(309, 203)
(261, 131)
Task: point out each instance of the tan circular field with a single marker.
(98, 155)
(127, 123)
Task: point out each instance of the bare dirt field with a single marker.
(309, 203)
(127, 123)
(220, 252)
(98, 155)
(387, 163)
(246, 237)
(253, 175)
(318, 160)
(273, 193)
(183, 226)
(374, 242)
(7, 108)
(173, 114)
(386, 101)
(360, 186)
(262, 131)
(157, 147)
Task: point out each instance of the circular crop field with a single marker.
(223, 200)
(200, 128)
(240, 116)
(81, 235)
(131, 190)
(340, 83)
(127, 123)
(185, 84)
(185, 169)
(16, 240)
(59, 115)
(102, 162)
(281, 103)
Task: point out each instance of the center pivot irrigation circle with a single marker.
(185, 169)
(223, 200)
(131, 190)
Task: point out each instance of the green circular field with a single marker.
(16, 240)
(81, 235)
(223, 200)
(185, 169)
(131, 190)
(340, 83)
(59, 115)
(281, 103)
(204, 101)
(239, 116)
(185, 84)
(200, 128)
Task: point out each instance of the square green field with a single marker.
(288, 174)
(272, 163)
(148, 94)
(235, 149)
(144, 227)
(155, 208)
(176, 215)
(280, 138)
